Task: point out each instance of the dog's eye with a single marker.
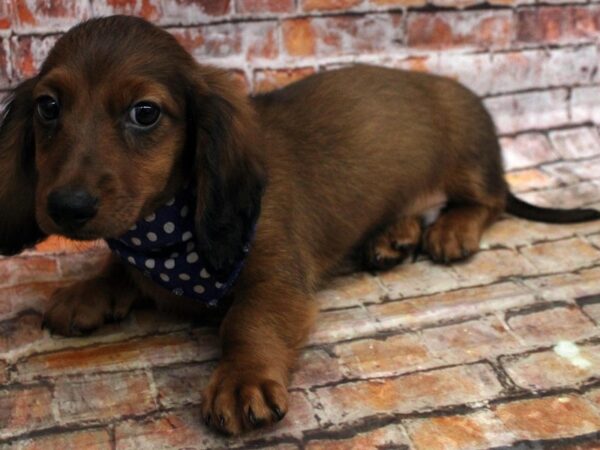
(144, 114)
(48, 108)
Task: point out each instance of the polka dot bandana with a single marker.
(163, 247)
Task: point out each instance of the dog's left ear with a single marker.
(18, 226)
(230, 174)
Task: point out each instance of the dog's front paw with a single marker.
(239, 399)
(84, 306)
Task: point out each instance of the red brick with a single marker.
(148, 9)
(492, 265)
(28, 53)
(35, 296)
(31, 269)
(513, 232)
(530, 110)
(551, 369)
(530, 179)
(82, 265)
(261, 41)
(558, 24)
(183, 429)
(139, 353)
(593, 311)
(270, 79)
(5, 16)
(215, 41)
(342, 35)
(334, 326)
(4, 63)
(576, 195)
(316, 367)
(179, 386)
(20, 332)
(328, 5)
(351, 290)
(394, 355)
(549, 417)
(179, 429)
(527, 150)
(253, 41)
(264, 6)
(470, 341)
(3, 373)
(473, 431)
(103, 397)
(551, 325)
(398, 2)
(413, 279)
(51, 16)
(499, 73)
(24, 409)
(299, 37)
(94, 439)
(561, 256)
(573, 143)
(464, 29)
(192, 12)
(450, 305)
(571, 172)
(391, 436)
(594, 397)
(416, 392)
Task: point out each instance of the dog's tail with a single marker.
(520, 208)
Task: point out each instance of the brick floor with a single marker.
(502, 351)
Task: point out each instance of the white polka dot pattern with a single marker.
(163, 247)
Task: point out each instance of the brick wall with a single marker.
(533, 60)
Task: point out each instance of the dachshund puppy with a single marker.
(215, 202)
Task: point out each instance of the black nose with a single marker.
(71, 208)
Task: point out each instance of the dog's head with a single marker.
(119, 118)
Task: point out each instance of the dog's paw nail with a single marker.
(278, 414)
(251, 417)
(207, 420)
(222, 421)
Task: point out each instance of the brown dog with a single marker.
(337, 168)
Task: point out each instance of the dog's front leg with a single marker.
(261, 335)
(86, 305)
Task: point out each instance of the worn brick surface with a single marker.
(391, 436)
(92, 439)
(494, 352)
(526, 150)
(25, 408)
(463, 303)
(480, 430)
(383, 357)
(551, 325)
(103, 397)
(416, 392)
(566, 365)
(549, 417)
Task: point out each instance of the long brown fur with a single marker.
(338, 168)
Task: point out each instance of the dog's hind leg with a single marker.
(393, 245)
(455, 235)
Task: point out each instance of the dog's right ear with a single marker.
(18, 226)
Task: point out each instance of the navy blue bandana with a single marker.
(163, 247)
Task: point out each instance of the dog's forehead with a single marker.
(116, 45)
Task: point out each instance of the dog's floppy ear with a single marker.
(230, 174)
(18, 226)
